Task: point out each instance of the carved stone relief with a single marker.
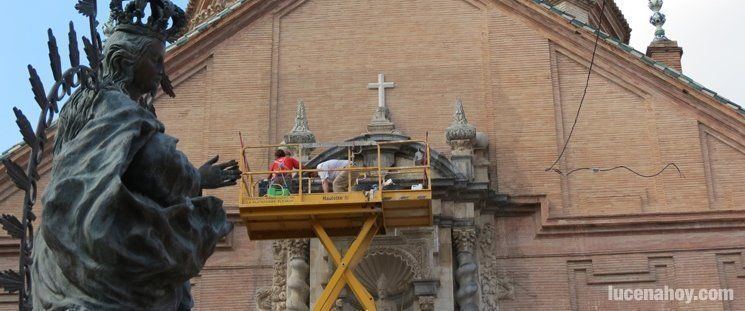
(263, 299)
(493, 287)
(279, 278)
(394, 267)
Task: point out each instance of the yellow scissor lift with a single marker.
(324, 215)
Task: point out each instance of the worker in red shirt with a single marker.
(282, 162)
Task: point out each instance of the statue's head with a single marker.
(132, 57)
(133, 62)
(135, 44)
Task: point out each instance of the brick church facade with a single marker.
(538, 240)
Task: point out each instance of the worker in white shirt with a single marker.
(338, 181)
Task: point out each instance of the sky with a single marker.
(708, 31)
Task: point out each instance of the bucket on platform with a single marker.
(276, 190)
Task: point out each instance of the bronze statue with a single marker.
(124, 223)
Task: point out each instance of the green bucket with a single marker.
(277, 191)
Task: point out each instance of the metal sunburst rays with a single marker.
(26, 180)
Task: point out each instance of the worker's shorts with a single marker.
(341, 182)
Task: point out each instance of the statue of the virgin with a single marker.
(124, 223)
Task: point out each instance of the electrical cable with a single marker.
(584, 93)
(576, 119)
(597, 170)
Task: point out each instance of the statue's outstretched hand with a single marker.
(215, 176)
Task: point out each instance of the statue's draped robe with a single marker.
(124, 226)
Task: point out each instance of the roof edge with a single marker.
(642, 56)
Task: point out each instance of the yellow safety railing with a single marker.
(251, 179)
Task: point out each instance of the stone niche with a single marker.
(397, 270)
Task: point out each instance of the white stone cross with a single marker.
(381, 86)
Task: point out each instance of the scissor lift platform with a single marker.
(324, 215)
(341, 214)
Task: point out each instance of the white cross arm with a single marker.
(386, 85)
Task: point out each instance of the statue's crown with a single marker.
(166, 20)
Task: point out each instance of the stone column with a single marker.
(466, 275)
(298, 274)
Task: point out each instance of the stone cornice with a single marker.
(556, 225)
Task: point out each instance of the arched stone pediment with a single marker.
(442, 168)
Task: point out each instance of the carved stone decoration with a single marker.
(466, 274)
(301, 132)
(263, 299)
(426, 303)
(381, 122)
(487, 269)
(215, 7)
(460, 135)
(298, 271)
(402, 267)
(493, 287)
(407, 261)
(279, 277)
(338, 305)
(383, 303)
(464, 239)
(387, 273)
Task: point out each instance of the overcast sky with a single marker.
(708, 31)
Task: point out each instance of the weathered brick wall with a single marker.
(573, 272)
